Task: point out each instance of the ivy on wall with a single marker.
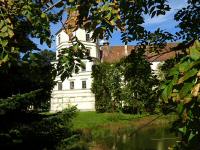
(104, 82)
(128, 85)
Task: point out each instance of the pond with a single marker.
(151, 138)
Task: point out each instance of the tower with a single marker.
(75, 90)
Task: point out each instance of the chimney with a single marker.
(104, 49)
(126, 50)
(106, 45)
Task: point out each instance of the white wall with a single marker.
(63, 37)
(81, 35)
(154, 67)
(83, 98)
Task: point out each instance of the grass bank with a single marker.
(101, 129)
(91, 120)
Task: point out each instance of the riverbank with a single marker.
(103, 130)
(93, 120)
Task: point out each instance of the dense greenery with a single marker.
(107, 87)
(181, 93)
(27, 79)
(31, 73)
(128, 85)
(141, 85)
(31, 130)
(106, 16)
(21, 20)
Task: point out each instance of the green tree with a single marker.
(141, 85)
(101, 87)
(103, 17)
(48, 55)
(181, 94)
(128, 85)
(32, 73)
(27, 78)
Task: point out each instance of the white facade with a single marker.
(75, 90)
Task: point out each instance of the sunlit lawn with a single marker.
(91, 120)
(94, 119)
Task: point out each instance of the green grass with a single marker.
(93, 119)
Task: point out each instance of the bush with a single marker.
(127, 86)
(36, 131)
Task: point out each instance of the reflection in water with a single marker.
(158, 138)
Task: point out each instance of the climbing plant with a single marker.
(181, 94)
(141, 81)
(27, 78)
(128, 85)
(100, 87)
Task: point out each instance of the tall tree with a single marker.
(105, 16)
(27, 78)
(20, 20)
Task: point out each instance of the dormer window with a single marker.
(87, 36)
(59, 39)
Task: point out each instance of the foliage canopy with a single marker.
(21, 20)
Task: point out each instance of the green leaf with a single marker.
(4, 29)
(1, 24)
(10, 33)
(185, 89)
(166, 94)
(4, 43)
(173, 71)
(194, 54)
(182, 130)
(191, 136)
(5, 59)
(3, 34)
(175, 80)
(43, 15)
(188, 75)
(184, 66)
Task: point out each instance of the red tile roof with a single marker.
(113, 54)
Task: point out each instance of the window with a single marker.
(83, 67)
(59, 39)
(88, 51)
(59, 86)
(83, 84)
(87, 36)
(71, 84)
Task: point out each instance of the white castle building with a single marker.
(76, 90)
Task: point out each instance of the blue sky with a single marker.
(165, 22)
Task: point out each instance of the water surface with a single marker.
(151, 138)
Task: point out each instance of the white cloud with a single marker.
(174, 4)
